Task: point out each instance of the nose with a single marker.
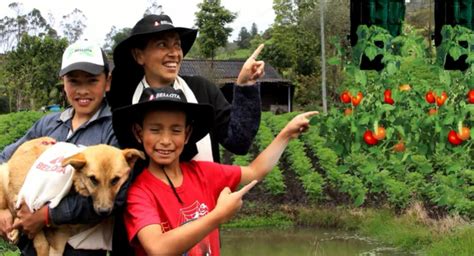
(81, 90)
(174, 50)
(165, 139)
(103, 211)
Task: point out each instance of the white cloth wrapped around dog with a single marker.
(47, 181)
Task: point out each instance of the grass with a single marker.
(412, 231)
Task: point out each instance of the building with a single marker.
(276, 92)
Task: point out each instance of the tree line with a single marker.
(29, 66)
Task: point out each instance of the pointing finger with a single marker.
(257, 51)
(310, 114)
(246, 188)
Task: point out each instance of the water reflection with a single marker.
(301, 241)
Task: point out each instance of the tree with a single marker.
(154, 8)
(211, 19)
(31, 72)
(13, 28)
(73, 25)
(243, 41)
(253, 30)
(114, 37)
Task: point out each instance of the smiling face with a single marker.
(161, 59)
(163, 134)
(85, 91)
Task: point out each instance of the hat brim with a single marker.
(123, 50)
(200, 115)
(84, 66)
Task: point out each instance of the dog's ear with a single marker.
(132, 155)
(77, 161)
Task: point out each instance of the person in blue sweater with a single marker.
(88, 121)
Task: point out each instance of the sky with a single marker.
(103, 14)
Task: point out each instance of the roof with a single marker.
(225, 71)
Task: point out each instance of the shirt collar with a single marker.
(104, 111)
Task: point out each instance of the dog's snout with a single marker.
(104, 211)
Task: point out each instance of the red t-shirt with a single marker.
(151, 201)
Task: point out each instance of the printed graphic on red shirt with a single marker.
(191, 213)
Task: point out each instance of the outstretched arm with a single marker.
(268, 159)
(242, 126)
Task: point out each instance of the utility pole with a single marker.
(323, 57)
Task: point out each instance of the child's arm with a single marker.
(266, 160)
(181, 239)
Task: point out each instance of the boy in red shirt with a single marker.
(176, 207)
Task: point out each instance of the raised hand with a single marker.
(252, 69)
(229, 203)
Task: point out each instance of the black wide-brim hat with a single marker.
(199, 116)
(127, 73)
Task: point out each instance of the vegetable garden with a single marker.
(397, 136)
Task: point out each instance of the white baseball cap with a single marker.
(85, 56)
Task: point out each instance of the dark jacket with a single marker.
(73, 208)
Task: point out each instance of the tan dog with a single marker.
(100, 171)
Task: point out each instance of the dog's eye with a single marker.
(94, 181)
(114, 181)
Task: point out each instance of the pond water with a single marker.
(301, 241)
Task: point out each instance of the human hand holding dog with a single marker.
(229, 203)
(30, 222)
(252, 69)
(6, 221)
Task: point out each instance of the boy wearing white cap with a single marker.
(88, 121)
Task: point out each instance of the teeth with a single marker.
(171, 65)
(83, 100)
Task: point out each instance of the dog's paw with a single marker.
(13, 236)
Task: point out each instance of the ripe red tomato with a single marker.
(399, 147)
(440, 100)
(465, 133)
(346, 97)
(389, 101)
(369, 138)
(348, 111)
(357, 99)
(470, 96)
(453, 138)
(432, 111)
(379, 134)
(430, 97)
(388, 97)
